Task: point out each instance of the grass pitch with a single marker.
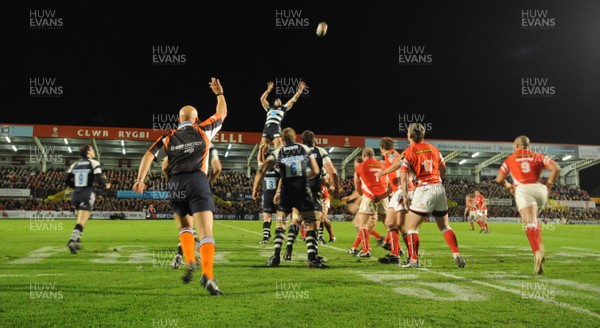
(121, 278)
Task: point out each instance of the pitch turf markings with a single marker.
(123, 254)
(517, 292)
(39, 254)
(459, 293)
(481, 283)
(579, 249)
(30, 275)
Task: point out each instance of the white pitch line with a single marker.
(517, 292)
(238, 228)
(30, 275)
(482, 283)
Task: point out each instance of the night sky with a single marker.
(468, 86)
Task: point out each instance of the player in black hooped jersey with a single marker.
(269, 189)
(187, 149)
(81, 176)
(293, 160)
(275, 114)
(316, 183)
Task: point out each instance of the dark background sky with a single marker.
(102, 57)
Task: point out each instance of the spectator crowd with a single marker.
(234, 190)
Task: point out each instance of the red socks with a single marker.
(534, 234)
(450, 238)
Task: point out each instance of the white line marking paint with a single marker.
(518, 293)
(30, 275)
(40, 254)
(482, 283)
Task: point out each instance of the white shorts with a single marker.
(368, 207)
(531, 194)
(472, 214)
(397, 201)
(326, 203)
(481, 213)
(429, 198)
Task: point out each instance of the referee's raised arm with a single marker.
(216, 87)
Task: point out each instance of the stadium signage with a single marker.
(10, 192)
(66, 131)
(227, 137)
(96, 215)
(92, 133)
(577, 204)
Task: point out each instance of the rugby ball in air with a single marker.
(322, 29)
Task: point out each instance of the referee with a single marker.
(187, 149)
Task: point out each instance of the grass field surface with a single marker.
(122, 278)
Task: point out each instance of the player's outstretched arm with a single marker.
(297, 95)
(217, 167)
(393, 167)
(263, 98)
(215, 86)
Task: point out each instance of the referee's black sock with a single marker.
(179, 250)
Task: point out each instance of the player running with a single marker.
(275, 114)
(293, 160)
(525, 167)
(470, 211)
(427, 164)
(187, 150)
(481, 211)
(81, 176)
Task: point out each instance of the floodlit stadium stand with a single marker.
(35, 157)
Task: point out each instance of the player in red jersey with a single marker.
(326, 202)
(426, 163)
(395, 212)
(481, 211)
(353, 203)
(374, 200)
(470, 210)
(525, 167)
